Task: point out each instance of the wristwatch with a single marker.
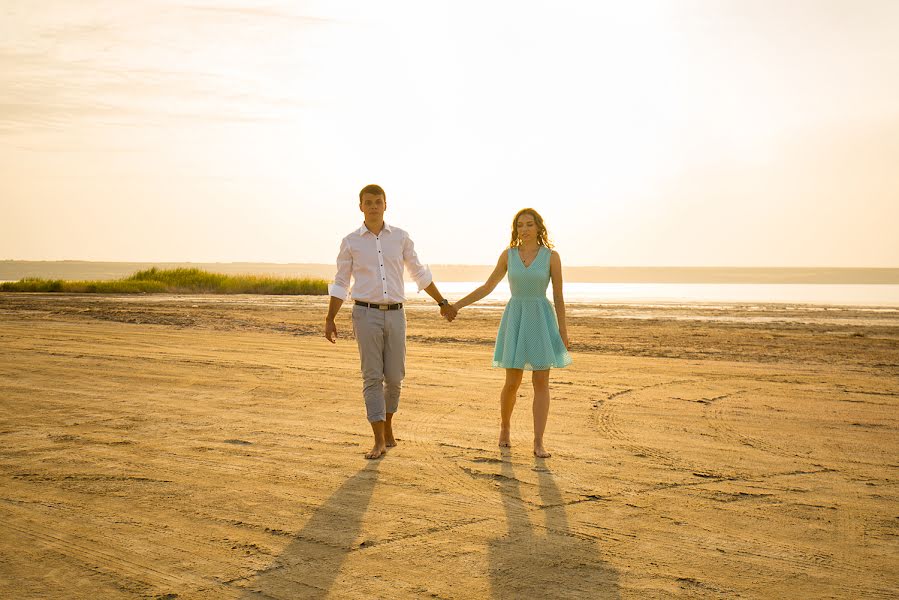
(443, 303)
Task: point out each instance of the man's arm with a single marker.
(446, 310)
(421, 274)
(330, 325)
(433, 292)
(338, 289)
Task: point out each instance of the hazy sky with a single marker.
(647, 133)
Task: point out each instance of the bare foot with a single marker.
(388, 436)
(505, 438)
(540, 451)
(376, 452)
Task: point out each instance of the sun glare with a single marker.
(647, 133)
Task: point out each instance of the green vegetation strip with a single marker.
(175, 281)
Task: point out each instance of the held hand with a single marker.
(331, 331)
(448, 312)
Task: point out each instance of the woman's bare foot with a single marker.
(505, 437)
(377, 451)
(540, 451)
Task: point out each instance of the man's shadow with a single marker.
(548, 562)
(309, 565)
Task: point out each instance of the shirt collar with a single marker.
(363, 230)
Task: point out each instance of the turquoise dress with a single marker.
(528, 336)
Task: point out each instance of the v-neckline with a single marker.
(521, 260)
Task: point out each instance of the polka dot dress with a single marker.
(528, 336)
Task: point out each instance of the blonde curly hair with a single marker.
(542, 236)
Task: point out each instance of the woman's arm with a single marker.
(555, 272)
(498, 273)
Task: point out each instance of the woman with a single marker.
(530, 337)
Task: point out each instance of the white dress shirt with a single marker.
(376, 263)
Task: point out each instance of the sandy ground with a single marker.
(210, 447)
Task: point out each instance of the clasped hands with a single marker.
(449, 312)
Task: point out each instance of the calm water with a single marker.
(687, 293)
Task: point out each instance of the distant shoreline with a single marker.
(74, 269)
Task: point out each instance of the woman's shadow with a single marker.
(308, 566)
(551, 561)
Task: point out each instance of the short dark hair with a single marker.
(373, 189)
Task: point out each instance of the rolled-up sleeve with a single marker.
(420, 273)
(340, 287)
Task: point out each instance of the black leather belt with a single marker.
(380, 306)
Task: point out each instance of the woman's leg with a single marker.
(506, 404)
(540, 380)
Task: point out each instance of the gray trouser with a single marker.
(381, 336)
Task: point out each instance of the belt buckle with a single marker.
(383, 306)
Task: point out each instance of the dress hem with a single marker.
(527, 367)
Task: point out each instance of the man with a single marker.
(374, 256)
